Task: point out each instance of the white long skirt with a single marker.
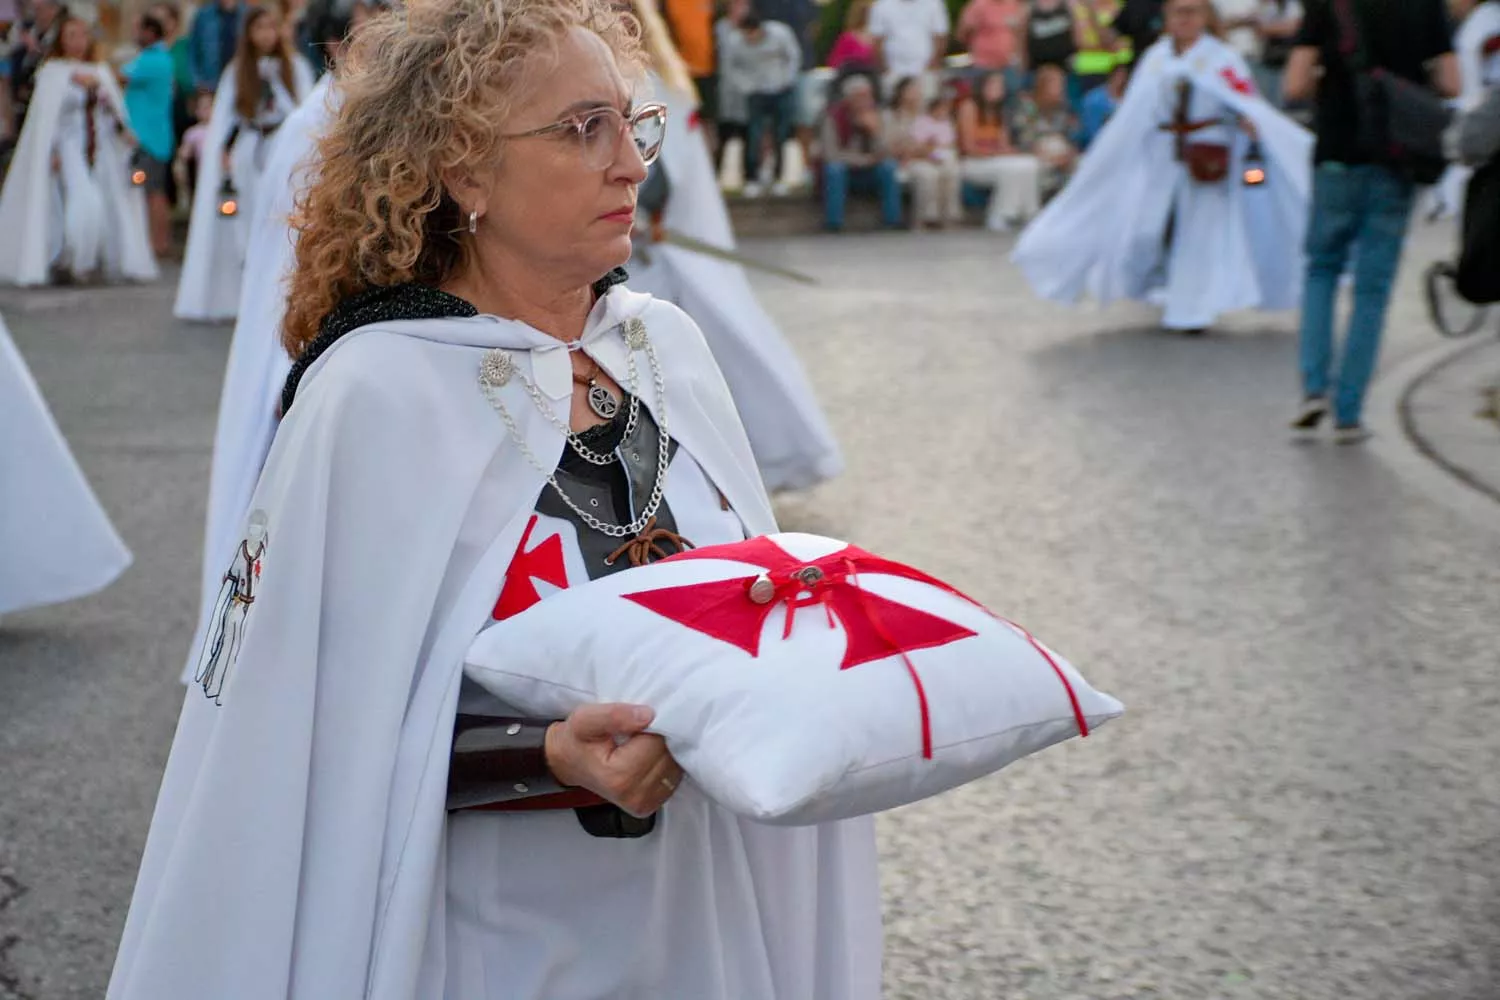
(79, 215)
(56, 542)
(1201, 282)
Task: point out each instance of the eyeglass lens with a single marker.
(600, 135)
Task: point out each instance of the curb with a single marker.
(1423, 442)
(1412, 455)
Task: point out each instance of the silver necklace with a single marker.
(498, 367)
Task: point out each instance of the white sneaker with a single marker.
(753, 190)
(780, 190)
(1353, 434)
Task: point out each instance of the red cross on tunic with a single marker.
(545, 563)
(1237, 83)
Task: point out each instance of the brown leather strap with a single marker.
(573, 798)
(497, 760)
(1188, 128)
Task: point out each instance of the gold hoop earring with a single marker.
(473, 221)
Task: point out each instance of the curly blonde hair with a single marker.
(425, 89)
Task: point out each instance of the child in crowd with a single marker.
(190, 149)
(927, 144)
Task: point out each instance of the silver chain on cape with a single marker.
(498, 367)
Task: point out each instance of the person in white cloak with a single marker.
(793, 444)
(478, 417)
(68, 209)
(261, 86)
(250, 402)
(1160, 209)
(789, 436)
(56, 542)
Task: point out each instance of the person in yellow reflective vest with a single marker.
(1096, 56)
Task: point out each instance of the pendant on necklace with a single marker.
(604, 405)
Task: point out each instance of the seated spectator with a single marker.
(991, 160)
(855, 46)
(1100, 103)
(1047, 128)
(925, 145)
(763, 62)
(855, 155)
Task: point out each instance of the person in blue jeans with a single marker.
(1356, 201)
(856, 156)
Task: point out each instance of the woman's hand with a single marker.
(604, 749)
(88, 81)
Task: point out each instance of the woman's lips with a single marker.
(622, 215)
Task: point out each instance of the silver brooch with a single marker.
(635, 333)
(496, 369)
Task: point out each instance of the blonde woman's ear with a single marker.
(464, 189)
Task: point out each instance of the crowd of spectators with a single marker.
(169, 74)
(989, 103)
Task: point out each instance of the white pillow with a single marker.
(823, 721)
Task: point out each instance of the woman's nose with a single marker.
(628, 164)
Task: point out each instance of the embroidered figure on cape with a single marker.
(221, 647)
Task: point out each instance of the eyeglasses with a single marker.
(599, 133)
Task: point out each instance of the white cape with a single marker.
(297, 848)
(789, 436)
(56, 542)
(793, 444)
(213, 261)
(257, 366)
(1102, 236)
(30, 216)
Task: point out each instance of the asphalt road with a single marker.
(1303, 802)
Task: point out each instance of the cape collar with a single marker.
(429, 314)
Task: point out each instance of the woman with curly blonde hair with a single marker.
(479, 416)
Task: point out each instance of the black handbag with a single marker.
(1478, 277)
(1401, 123)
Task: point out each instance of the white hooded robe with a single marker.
(1233, 247)
(56, 542)
(300, 848)
(213, 262)
(84, 217)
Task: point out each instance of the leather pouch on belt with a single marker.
(1207, 162)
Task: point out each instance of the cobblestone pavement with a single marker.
(1303, 802)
